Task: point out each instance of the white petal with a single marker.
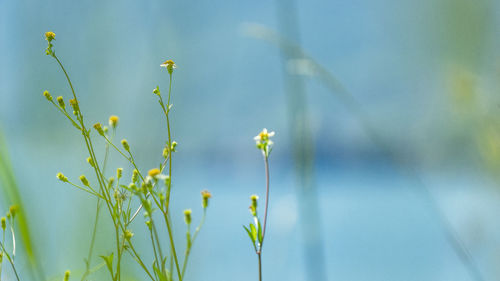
(271, 134)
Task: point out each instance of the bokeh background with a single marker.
(387, 120)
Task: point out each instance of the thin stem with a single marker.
(267, 202)
(10, 261)
(190, 245)
(260, 266)
(92, 241)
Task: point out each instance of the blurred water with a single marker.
(396, 57)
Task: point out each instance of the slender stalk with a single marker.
(190, 245)
(92, 241)
(267, 202)
(11, 261)
(259, 254)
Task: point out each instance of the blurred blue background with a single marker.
(387, 120)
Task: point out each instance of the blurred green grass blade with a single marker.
(12, 195)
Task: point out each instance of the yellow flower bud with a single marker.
(154, 172)
(98, 128)
(3, 221)
(169, 65)
(90, 161)
(62, 177)
(205, 195)
(125, 145)
(66, 275)
(49, 36)
(60, 100)
(187, 216)
(113, 121)
(128, 234)
(84, 180)
(47, 95)
(119, 173)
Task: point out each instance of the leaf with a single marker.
(249, 234)
(159, 273)
(259, 232)
(254, 232)
(109, 263)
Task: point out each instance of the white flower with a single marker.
(263, 136)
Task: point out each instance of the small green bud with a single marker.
(3, 222)
(165, 151)
(156, 91)
(47, 95)
(105, 129)
(133, 187)
(174, 144)
(111, 180)
(66, 275)
(135, 174)
(90, 161)
(98, 128)
(62, 177)
(205, 195)
(74, 104)
(125, 145)
(187, 216)
(84, 180)
(253, 207)
(60, 100)
(13, 210)
(128, 234)
(148, 223)
(167, 181)
(119, 173)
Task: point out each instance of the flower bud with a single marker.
(205, 195)
(128, 234)
(98, 128)
(74, 104)
(84, 180)
(60, 100)
(66, 275)
(253, 207)
(169, 65)
(187, 216)
(154, 172)
(3, 221)
(113, 121)
(62, 177)
(119, 173)
(49, 36)
(47, 95)
(174, 144)
(156, 91)
(13, 210)
(90, 161)
(135, 174)
(125, 145)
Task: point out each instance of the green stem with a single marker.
(190, 245)
(10, 261)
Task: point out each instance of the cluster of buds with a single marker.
(169, 65)
(49, 36)
(263, 142)
(74, 105)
